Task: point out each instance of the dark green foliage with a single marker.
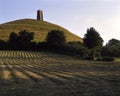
(112, 48)
(75, 49)
(21, 41)
(25, 36)
(111, 51)
(113, 42)
(13, 37)
(56, 42)
(76, 44)
(3, 45)
(42, 46)
(13, 41)
(55, 38)
(89, 58)
(92, 39)
(108, 59)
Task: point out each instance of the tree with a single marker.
(113, 42)
(13, 37)
(21, 41)
(3, 45)
(13, 40)
(92, 40)
(112, 48)
(26, 36)
(55, 38)
(76, 49)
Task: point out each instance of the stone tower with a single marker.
(40, 15)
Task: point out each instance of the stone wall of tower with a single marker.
(40, 15)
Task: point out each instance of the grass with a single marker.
(48, 74)
(117, 59)
(39, 28)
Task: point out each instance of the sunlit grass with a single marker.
(6, 74)
(40, 29)
(117, 59)
(20, 75)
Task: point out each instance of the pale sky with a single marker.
(74, 15)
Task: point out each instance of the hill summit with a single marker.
(40, 29)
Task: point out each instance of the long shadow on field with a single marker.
(80, 86)
(43, 74)
(20, 79)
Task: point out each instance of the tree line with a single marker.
(20, 41)
(91, 48)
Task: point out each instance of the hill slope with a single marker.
(40, 29)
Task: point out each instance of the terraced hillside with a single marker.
(46, 74)
(40, 29)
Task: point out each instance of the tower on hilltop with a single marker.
(40, 15)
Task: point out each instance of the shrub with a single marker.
(99, 59)
(21, 41)
(89, 58)
(76, 50)
(108, 59)
(55, 38)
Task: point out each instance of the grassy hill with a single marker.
(40, 29)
